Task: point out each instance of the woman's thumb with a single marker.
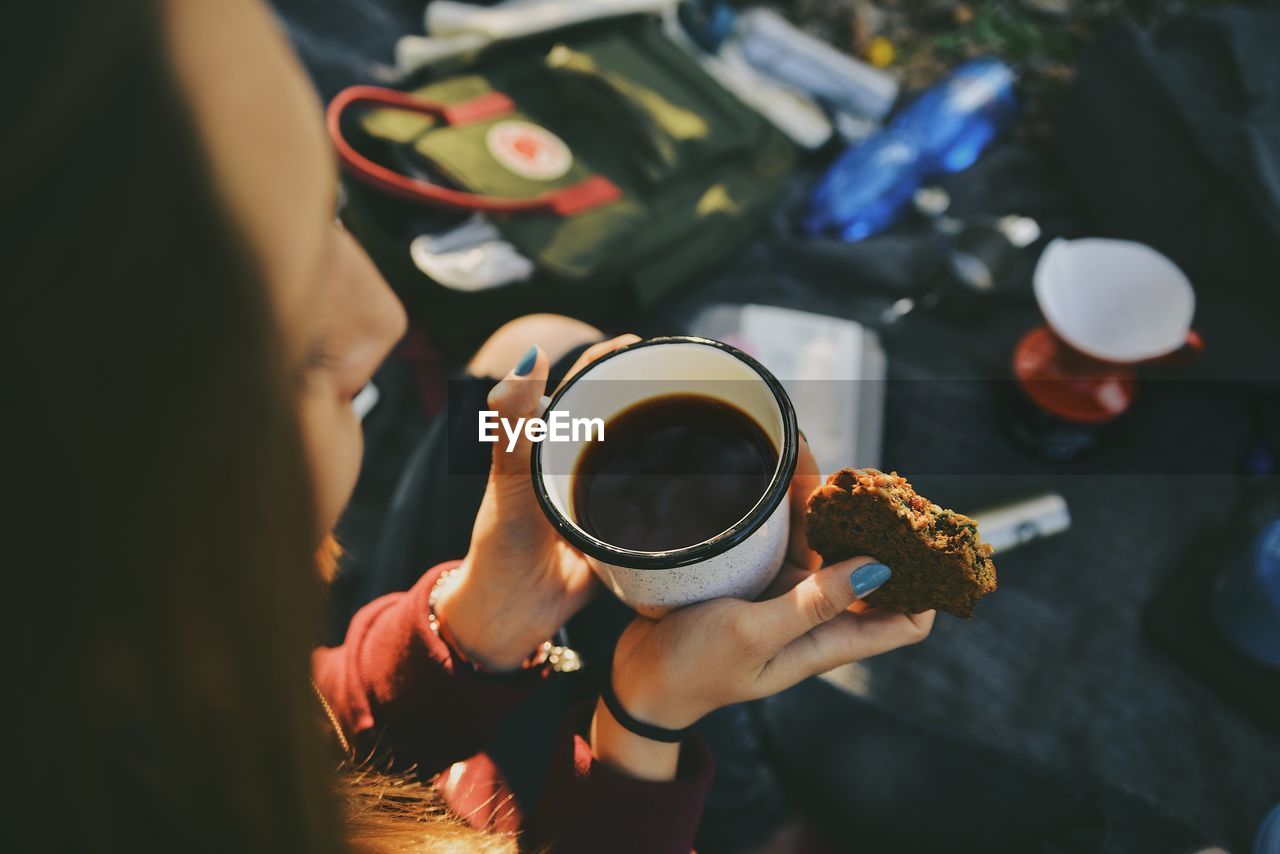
(819, 598)
(512, 402)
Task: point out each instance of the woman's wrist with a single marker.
(642, 700)
(485, 624)
(633, 755)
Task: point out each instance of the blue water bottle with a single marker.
(944, 130)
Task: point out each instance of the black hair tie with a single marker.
(644, 730)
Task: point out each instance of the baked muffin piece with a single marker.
(937, 558)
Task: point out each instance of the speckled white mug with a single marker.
(740, 561)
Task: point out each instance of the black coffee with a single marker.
(671, 472)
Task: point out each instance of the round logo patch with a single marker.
(528, 150)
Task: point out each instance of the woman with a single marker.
(183, 330)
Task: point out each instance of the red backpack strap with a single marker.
(583, 196)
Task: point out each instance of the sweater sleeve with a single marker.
(588, 807)
(394, 687)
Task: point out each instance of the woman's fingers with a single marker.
(846, 638)
(789, 576)
(595, 351)
(806, 479)
(517, 398)
(815, 600)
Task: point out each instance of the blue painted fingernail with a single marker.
(868, 577)
(525, 366)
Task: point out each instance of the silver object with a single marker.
(980, 250)
(1011, 525)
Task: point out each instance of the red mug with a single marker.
(1110, 306)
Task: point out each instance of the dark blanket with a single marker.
(1054, 664)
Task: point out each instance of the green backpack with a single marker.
(603, 153)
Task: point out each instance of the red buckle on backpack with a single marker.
(584, 196)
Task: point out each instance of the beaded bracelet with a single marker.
(561, 659)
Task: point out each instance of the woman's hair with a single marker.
(158, 537)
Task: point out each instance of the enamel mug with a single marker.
(738, 562)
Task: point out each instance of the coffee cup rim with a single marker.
(698, 552)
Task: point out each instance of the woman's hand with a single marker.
(520, 582)
(673, 671)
